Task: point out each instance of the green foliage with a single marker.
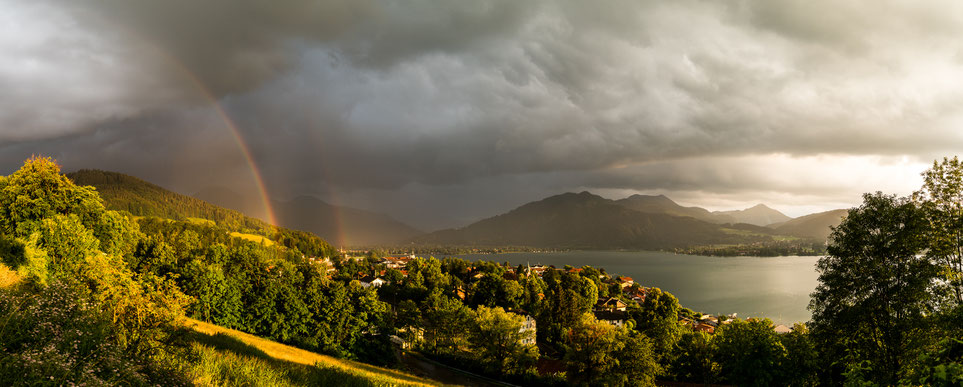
(693, 360)
(127, 193)
(657, 318)
(67, 242)
(875, 288)
(38, 191)
(58, 335)
(568, 297)
(942, 198)
(942, 366)
(493, 290)
(749, 352)
(218, 299)
(601, 354)
(496, 339)
(446, 322)
(140, 198)
(801, 363)
(143, 308)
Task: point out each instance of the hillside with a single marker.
(342, 225)
(663, 205)
(815, 226)
(759, 215)
(122, 192)
(588, 221)
(295, 366)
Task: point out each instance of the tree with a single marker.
(800, 365)
(493, 290)
(637, 360)
(749, 352)
(446, 322)
(598, 353)
(496, 338)
(67, 242)
(692, 361)
(217, 300)
(38, 191)
(874, 288)
(942, 197)
(590, 353)
(658, 318)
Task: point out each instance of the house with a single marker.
(626, 282)
(703, 327)
(409, 336)
(616, 318)
(710, 320)
(397, 262)
(636, 295)
(781, 329)
(370, 281)
(527, 326)
(538, 270)
(610, 304)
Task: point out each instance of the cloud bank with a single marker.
(440, 113)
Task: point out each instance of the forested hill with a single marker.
(584, 220)
(122, 192)
(817, 226)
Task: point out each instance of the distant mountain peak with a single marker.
(759, 215)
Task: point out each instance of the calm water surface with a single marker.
(773, 287)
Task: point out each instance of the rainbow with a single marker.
(235, 133)
(340, 236)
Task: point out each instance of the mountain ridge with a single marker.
(586, 220)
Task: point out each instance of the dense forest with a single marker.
(103, 293)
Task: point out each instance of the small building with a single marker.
(710, 320)
(626, 282)
(782, 329)
(703, 327)
(616, 318)
(370, 281)
(610, 304)
(527, 326)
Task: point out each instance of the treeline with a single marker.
(445, 250)
(803, 247)
(269, 291)
(129, 194)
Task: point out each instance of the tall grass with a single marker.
(224, 357)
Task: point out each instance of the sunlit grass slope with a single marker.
(253, 238)
(230, 357)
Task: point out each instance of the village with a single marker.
(610, 309)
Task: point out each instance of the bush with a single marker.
(58, 335)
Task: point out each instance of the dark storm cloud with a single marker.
(388, 103)
(231, 46)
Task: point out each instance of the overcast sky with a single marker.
(440, 113)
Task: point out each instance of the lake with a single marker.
(773, 287)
